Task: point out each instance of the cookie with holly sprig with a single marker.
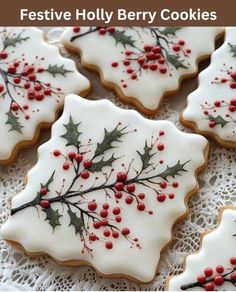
(142, 64)
(34, 79)
(106, 190)
(213, 268)
(211, 108)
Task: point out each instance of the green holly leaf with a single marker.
(218, 120)
(108, 139)
(75, 221)
(122, 38)
(146, 156)
(14, 123)
(72, 134)
(50, 180)
(12, 41)
(97, 166)
(170, 30)
(232, 49)
(55, 69)
(173, 171)
(52, 216)
(174, 60)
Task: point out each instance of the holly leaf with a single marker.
(146, 156)
(14, 123)
(174, 60)
(52, 216)
(50, 180)
(72, 134)
(232, 49)
(75, 221)
(174, 170)
(122, 38)
(170, 30)
(13, 41)
(218, 120)
(97, 166)
(55, 69)
(108, 139)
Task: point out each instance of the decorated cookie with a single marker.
(211, 109)
(34, 79)
(213, 268)
(142, 64)
(106, 190)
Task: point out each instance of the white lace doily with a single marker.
(217, 188)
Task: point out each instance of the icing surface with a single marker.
(144, 63)
(217, 251)
(34, 79)
(212, 107)
(107, 188)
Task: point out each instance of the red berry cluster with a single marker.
(231, 78)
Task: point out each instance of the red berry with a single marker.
(128, 53)
(209, 286)
(43, 191)
(175, 184)
(40, 70)
(3, 55)
(104, 222)
(116, 211)
(27, 117)
(109, 245)
(223, 80)
(92, 206)
(14, 106)
(163, 184)
(84, 174)
(141, 196)
(39, 96)
(121, 176)
(66, 166)
(129, 70)
(103, 213)
(76, 29)
(102, 31)
(105, 206)
(79, 157)
(16, 80)
(161, 197)
(233, 75)
(37, 87)
(201, 279)
(32, 77)
(233, 102)
(118, 195)
(134, 76)
(118, 219)
(115, 234)
(119, 186)
(233, 85)
(147, 48)
(163, 70)
(160, 147)
(208, 272)
(181, 42)
(31, 94)
(233, 261)
(151, 56)
(218, 280)
(97, 224)
(107, 232)
(161, 133)
(71, 155)
(56, 153)
(156, 49)
(141, 206)
(212, 124)
(233, 277)
(217, 103)
(47, 91)
(145, 66)
(27, 85)
(25, 106)
(114, 64)
(141, 60)
(176, 47)
(1, 88)
(188, 51)
(111, 29)
(220, 269)
(130, 188)
(161, 61)
(153, 67)
(232, 108)
(44, 204)
(92, 237)
(171, 196)
(158, 56)
(87, 163)
(11, 69)
(126, 62)
(125, 231)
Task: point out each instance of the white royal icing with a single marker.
(23, 52)
(171, 172)
(181, 46)
(215, 99)
(218, 248)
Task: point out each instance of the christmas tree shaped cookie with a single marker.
(34, 79)
(213, 268)
(211, 109)
(142, 64)
(106, 190)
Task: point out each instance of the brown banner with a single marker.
(124, 13)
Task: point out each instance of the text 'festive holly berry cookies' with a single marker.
(34, 79)
(213, 268)
(211, 109)
(142, 64)
(106, 190)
